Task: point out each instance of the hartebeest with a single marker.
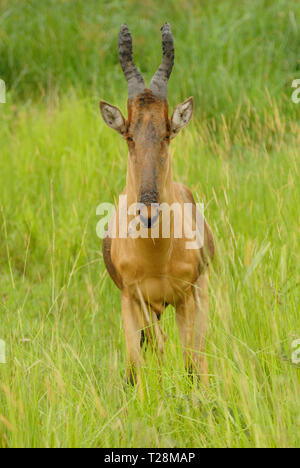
(152, 273)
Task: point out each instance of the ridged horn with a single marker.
(159, 82)
(134, 79)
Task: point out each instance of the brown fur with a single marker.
(152, 273)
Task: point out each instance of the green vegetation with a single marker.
(60, 316)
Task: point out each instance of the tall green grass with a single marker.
(60, 316)
(226, 54)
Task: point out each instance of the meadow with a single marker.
(62, 384)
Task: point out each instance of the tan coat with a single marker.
(152, 273)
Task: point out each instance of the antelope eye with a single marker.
(129, 138)
(167, 137)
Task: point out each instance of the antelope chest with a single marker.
(159, 278)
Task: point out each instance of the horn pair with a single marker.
(135, 81)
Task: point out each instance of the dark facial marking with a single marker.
(138, 123)
(151, 132)
(146, 98)
(149, 196)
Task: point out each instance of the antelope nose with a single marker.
(149, 215)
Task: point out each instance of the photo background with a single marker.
(60, 316)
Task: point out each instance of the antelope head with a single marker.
(148, 128)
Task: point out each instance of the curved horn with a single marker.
(134, 79)
(159, 82)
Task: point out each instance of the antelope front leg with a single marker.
(200, 327)
(191, 317)
(132, 327)
(185, 313)
(152, 329)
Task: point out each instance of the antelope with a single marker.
(153, 273)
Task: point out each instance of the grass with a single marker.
(62, 385)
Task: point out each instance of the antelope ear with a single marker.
(181, 116)
(113, 117)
